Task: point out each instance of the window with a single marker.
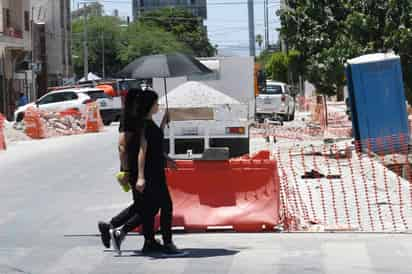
(68, 96)
(97, 94)
(58, 97)
(27, 21)
(272, 89)
(48, 99)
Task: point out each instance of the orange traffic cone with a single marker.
(2, 138)
(34, 127)
(94, 121)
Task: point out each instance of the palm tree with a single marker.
(259, 40)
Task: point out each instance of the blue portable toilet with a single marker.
(377, 101)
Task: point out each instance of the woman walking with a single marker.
(151, 180)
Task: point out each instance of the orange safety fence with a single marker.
(238, 194)
(2, 137)
(317, 125)
(362, 186)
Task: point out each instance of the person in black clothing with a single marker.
(151, 179)
(135, 129)
(130, 218)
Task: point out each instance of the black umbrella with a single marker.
(163, 66)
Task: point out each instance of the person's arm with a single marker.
(141, 182)
(122, 152)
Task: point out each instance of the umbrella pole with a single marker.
(167, 104)
(165, 84)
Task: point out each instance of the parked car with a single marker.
(276, 101)
(61, 100)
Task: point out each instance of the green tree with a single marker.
(141, 39)
(277, 67)
(121, 44)
(329, 32)
(284, 67)
(103, 32)
(187, 28)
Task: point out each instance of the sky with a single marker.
(227, 22)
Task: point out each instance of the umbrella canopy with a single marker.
(163, 66)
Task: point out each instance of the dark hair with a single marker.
(129, 116)
(145, 101)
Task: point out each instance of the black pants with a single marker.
(154, 199)
(130, 217)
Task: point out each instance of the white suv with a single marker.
(275, 101)
(73, 99)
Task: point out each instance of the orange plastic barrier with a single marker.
(34, 127)
(2, 138)
(94, 121)
(241, 193)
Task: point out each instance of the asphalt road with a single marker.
(53, 192)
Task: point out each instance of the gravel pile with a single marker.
(195, 94)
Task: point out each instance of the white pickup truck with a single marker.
(276, 102)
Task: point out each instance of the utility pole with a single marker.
(252, 48)
(103, 59)
(85, 46)
(283, 41)
(266, 22)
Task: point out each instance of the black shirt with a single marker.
(155, 159)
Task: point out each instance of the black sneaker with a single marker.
(104, 229)
(171, 249)
(152, 247)
(117, 238)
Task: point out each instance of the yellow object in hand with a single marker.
(122, 178)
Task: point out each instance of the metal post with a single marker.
(266, 22)
(85, 46)
(33, 76)
(252, 48)
(103, 58)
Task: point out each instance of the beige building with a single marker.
(15, 49)
(56, 16)
(38, 30)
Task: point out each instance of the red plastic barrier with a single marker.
(241, 193)
(2, 138)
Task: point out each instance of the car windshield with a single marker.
(272, 89)
(97, 94)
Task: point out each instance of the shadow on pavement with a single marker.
(193, 253)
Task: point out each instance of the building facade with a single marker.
(15, 53)
(56, 17)
(35, 49)
(196, 7)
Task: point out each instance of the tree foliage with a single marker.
(284, 67)
(121, 43)
(329, 32)
(187, 28)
